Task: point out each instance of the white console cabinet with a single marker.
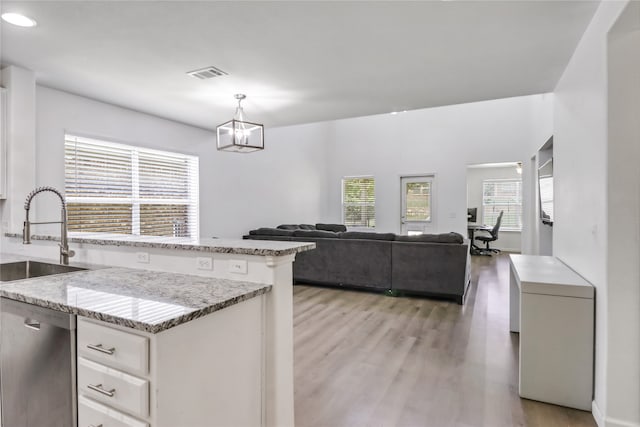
(552, 307)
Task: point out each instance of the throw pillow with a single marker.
(264, 231)
(336, 228)
(288, 227)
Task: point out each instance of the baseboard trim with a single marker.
(597, 414)
(603, 421)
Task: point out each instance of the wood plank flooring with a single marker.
(365, 359)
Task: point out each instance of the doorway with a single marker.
(492, 189)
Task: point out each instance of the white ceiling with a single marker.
(297, 62)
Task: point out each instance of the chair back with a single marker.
(494, 231)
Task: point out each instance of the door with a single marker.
(417, 214)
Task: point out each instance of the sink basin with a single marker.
(27, 269)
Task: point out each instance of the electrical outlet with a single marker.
(238, 266)
(142, 257)
(204, 263)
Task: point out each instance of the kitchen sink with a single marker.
(27, 269)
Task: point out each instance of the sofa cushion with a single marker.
(315, 233)
(336, 228)
(289, 227)
(264, 231)
(364, 235)
(432, 238)
(307, 227)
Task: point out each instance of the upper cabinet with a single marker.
(3, 142)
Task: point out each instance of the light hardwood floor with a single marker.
(365, 359)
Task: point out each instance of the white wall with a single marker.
(623, 225)
(580, 228)
(507, 240)
(437, 140)
(285, 182)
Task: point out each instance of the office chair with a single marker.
(492, 237)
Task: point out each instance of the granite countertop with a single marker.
(139, 299)
(228, 246)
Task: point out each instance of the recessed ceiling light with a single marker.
(19, 20)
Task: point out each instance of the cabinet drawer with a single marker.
(114, 348)
(92, 413)
(113, 387)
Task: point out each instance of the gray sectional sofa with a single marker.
(428, 265)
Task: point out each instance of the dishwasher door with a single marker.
(37, 366)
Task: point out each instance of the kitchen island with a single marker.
(220, 346)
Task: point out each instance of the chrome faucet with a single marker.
(65, 252)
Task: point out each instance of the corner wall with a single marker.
(623, 186)
(20, 144)
(581, 237)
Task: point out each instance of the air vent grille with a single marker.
(207, 73)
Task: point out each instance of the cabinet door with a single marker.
(3, 142)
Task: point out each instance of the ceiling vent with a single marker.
(207, 73)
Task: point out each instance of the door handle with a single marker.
(32, 324)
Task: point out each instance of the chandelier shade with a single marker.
(238, 134)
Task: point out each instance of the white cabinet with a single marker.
(206, 372)
(553, 309)
(112, 372)
(3, 143)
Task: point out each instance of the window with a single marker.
(116, 188)
(358, 202)
(502, 195)
(416, 198)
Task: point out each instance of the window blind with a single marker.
(358, 202)
(117, 188)
(502, 195)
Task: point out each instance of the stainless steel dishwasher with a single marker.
(37, 366)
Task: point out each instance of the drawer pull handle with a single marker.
(32, 324)
(93, 425)
(99, 389)
(101, 349)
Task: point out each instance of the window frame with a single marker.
(503, 180)
(345, 204)
(136, 200)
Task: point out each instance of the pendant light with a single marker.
(238, 134)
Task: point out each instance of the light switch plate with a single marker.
(238, 266)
